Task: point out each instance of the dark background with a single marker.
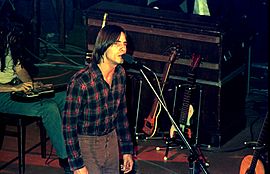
(248, 17)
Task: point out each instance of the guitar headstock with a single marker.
(175, 52)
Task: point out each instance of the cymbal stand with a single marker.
(195, 156)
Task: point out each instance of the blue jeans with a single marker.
(48, 109)
(100, 153)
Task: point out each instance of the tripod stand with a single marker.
(173, 142)
(196, 158)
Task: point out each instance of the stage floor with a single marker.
(149, 160)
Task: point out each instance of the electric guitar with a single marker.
(187, 109)
(252, 164)
(150, 123)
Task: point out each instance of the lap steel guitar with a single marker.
(39, 91)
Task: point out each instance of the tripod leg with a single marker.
(165, 158)
(137, 111)
(170, 138)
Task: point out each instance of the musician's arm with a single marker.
(11, 88)
(24, 76)
(22, 73)
(6, 88)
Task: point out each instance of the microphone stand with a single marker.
(194, 156)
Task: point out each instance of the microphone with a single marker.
(130, 60)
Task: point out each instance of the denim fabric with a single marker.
(100, 153)
(49, 109)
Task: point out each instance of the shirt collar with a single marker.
(95, 71)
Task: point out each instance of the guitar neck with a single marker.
(150, 122)
(260, 141)
(60, 87)
(186, 99)
(165, 75)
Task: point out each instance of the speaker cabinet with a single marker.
(221, 74)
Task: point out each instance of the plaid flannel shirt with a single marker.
(94, 108)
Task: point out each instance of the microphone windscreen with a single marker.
(128, 58)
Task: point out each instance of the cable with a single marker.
(218, 150)
(69, 55)
(51, 45)
(35, 56)
(49, 159)
(71, 48)
(52, 77)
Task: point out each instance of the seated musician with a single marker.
(12, 71)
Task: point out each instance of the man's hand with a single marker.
(81, 171)
(27, 86)
(128, 163)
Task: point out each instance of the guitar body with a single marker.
(186, 129)
(245, 166)
(150, 125)
(251, 164)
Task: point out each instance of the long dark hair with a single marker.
(11, 39)
(106, 37)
